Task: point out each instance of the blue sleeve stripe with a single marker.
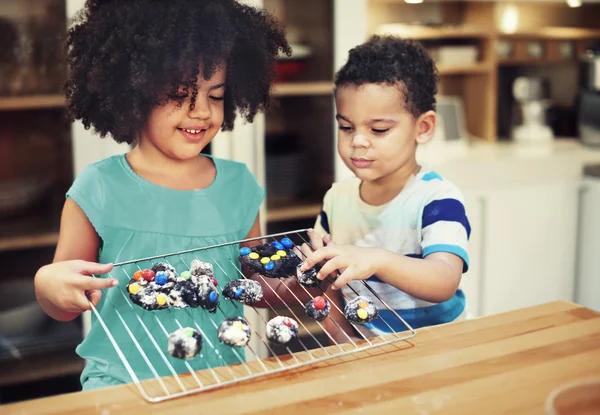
(324, 221)
(431, 176)
(451, 210)
(453, 249)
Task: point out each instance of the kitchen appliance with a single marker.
(588, 105)
(532, 96)
(587, 289)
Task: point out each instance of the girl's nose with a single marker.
(201, 109)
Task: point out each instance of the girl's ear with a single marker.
(426, 126)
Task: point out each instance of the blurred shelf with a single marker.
(278, 214)
(531, 61)
(41, 240)
(556, 33)
(40, 367)
(31, 102)
(432, 33)
(302, 88)
(477, 68)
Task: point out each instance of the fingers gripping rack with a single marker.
(141, 340)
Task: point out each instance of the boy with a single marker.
(400, 227)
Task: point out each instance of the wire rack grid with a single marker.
(182, 379)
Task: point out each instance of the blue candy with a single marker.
(212, 297)
(277, 246)
(245, 251)
(238, 292)
(287, 242)
(160, 278)
(269, 266)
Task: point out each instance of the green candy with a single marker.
(189, 333)
(186, 275)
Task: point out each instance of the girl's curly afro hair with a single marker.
(391, 60)
(126, 57)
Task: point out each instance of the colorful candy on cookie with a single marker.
(243, 290)
(273, 260)
(185, 343)
(146, 295)
(282, 330)
(361, 310)
(234, 332)
(317, 308)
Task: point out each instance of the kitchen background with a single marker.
(520, 134)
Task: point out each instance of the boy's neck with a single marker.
(381, 191)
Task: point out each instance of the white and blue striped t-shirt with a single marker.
(427, 216)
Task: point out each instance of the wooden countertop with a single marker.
(505, 363)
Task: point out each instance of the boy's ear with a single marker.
(426, 126)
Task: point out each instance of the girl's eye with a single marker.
(217, 98)
(379, 131)
(344, 128)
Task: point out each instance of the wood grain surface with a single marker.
(506, 363)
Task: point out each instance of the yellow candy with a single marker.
(134, 288)
(363, 304)
(253, 255)
(281, 253)
(161, 299)
(362, 314)
(275, 257)
(265, 260)
(237, 325)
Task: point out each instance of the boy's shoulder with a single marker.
(433, 185)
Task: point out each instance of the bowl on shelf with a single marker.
(288, 68)
(19, 194)
(20, 313)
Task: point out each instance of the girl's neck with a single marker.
(384, 189)
(158, 168)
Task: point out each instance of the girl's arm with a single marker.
(61, 286)
(276, 291)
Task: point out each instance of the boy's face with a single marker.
(377, 136)
(180, 132)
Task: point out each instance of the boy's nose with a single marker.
(360, 140)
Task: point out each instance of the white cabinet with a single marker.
(522, 247)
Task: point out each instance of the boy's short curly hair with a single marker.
(127, 56)
(391, 60)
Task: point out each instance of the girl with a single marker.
(164, 76)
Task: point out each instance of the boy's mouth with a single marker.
(361, 163)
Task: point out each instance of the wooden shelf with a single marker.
(432, 33)
(293, 212)
(478, 68)
(302, 88)
(40, 240)
(44, 367)
(31, 102)
(555, 33)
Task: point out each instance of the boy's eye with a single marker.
(344, 128)
(380, 131)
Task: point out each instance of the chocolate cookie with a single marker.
(282, 330)
(234, 332)
(243, 290)
(185, 343)
(317, 308)
(361, 310)
(274, 260)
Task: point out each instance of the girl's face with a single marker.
(181, 133)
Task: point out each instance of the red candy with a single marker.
(287, 322)
(319, 303)
(215, 283)
(148, 274)
(137, 275)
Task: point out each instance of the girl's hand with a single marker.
(353, 262)
(66, 285)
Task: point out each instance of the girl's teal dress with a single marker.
(138, 219)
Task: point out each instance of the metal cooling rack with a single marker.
(180, 384)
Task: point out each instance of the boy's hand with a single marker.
(64, 285)
(353, 262)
